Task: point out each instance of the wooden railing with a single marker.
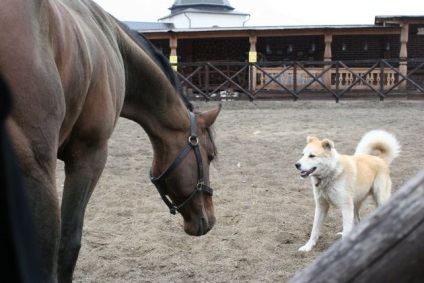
(344, 78)
(238, 80)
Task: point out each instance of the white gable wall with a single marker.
(202, 20)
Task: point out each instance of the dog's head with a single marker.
(316, 158)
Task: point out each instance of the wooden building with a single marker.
(389, 37)
(398, 38)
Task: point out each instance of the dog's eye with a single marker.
(311, 156)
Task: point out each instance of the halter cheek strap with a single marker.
(193, 143)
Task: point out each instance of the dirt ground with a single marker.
(264, 210)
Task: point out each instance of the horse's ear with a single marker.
(209, 117)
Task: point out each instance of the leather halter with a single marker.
(193, 143)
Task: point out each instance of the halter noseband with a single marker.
(193, 143)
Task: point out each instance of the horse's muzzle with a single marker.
(199, 226)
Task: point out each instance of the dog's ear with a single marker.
(327, 144)
(310, 139)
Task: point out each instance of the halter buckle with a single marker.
(193, 141)
(173, 210)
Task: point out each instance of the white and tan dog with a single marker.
(346, 180)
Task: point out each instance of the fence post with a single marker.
(403, 54)
(327, 58)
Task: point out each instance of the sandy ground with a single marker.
(264, 210)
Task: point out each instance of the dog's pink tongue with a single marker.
(306, 173)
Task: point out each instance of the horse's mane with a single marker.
(163, 62)
(165, 66)
(159, 59)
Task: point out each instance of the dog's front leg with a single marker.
(321, 210)
(348, 216)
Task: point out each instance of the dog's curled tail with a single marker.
(379, 140)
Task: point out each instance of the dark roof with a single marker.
(149, 25)
(203, 11)
(390, 20)
(264, 28)
(209, 5)
(380, 22)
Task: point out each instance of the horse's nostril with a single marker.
(203, 226)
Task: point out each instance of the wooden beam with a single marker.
(387, 247)
(271, 32)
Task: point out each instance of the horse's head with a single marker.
(184, 182)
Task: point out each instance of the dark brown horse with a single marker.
(73, 70)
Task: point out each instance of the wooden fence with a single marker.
(335, 79)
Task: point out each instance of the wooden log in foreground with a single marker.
(386, 247)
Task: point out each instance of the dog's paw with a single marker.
(340, 234)
(306, 248)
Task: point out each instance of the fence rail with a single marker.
(242, 80)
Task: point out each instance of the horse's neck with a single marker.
(150, 100)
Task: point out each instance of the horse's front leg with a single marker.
(35, 149)
(83, 167)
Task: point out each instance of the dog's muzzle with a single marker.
(304, 173)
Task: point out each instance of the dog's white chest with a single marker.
(330, 192)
